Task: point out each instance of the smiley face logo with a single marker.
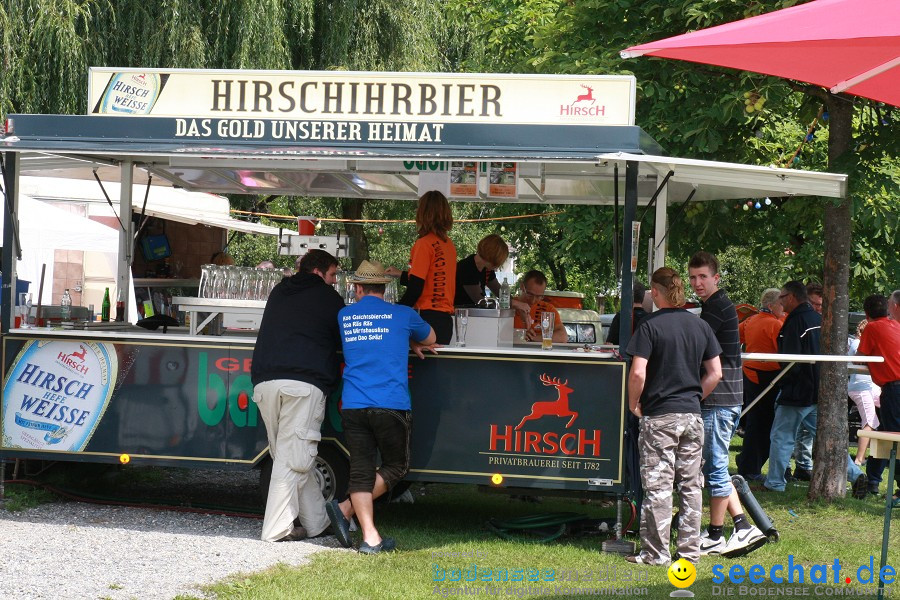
(682, 573)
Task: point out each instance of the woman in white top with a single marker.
(865, 394)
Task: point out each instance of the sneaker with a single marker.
(709, 546)
(788, 476)
(802, 474)
(744, 541)
(860, 487)
(638, 559)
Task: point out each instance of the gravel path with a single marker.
(87, 551)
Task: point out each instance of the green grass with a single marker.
(451, 519)
(20, 497)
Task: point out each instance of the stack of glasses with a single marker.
(230, 282)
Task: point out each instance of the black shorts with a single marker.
(368, 431)
(441, 322)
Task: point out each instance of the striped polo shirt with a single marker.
(718, 311)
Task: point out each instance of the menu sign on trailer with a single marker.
(292, 96)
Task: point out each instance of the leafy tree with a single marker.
(708, 112)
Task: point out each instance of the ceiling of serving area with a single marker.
(544, 181)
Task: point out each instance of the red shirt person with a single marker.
(881, 337)
(530, 305)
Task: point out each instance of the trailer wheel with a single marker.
(331, 470)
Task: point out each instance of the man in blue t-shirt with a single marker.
(375, 405)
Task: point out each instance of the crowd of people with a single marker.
(688, 386)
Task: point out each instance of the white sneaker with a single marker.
(744, 541)
(709, 546)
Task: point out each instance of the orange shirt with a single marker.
(759, 333)
(536, 309)
(881, 337)
(434, 261)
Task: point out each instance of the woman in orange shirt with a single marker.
(431, 279)
(759, 333)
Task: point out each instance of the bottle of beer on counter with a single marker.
(504, 294)
(120, 306)
(104, 308)
(65, 306)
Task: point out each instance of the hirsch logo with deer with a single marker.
(584, 105)
(556, 419)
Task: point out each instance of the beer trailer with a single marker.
(500, 414)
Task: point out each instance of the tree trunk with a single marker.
(352, 208)
(830, 459)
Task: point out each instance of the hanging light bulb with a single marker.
(768, 201)
(757, 206)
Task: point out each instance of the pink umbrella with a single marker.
(850, 46)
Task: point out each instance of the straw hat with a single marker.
(369, 272)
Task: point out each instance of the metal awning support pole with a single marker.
(616, 257)
(659, 231)
(629, 214)
(126, 235)
(10, 239)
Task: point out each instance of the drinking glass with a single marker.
(340, 283)
(21, 318)
(204, 291)
(390, 291)
(244, 283)
(350, 291)
(462, 322)
(232, 281)
(548, 320)
(216, 282)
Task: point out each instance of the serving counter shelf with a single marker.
(243, 314)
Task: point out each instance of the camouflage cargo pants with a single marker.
(671, 450)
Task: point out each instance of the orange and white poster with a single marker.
(464, 179)
(503, 180)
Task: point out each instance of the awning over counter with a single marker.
(163, 202)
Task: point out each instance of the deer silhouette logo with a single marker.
(586, 97)
(556, 408)
(80, 355)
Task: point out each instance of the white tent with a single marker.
(43, 229)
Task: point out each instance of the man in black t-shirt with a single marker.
(477, 271)
(637, 314)
(664, 392)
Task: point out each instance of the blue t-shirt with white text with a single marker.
(375, 336)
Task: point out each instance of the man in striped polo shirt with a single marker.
(721, 412)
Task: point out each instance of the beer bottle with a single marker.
(104, 308)
(120, 306)
(65, 306)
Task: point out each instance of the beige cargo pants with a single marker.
(292, 412)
